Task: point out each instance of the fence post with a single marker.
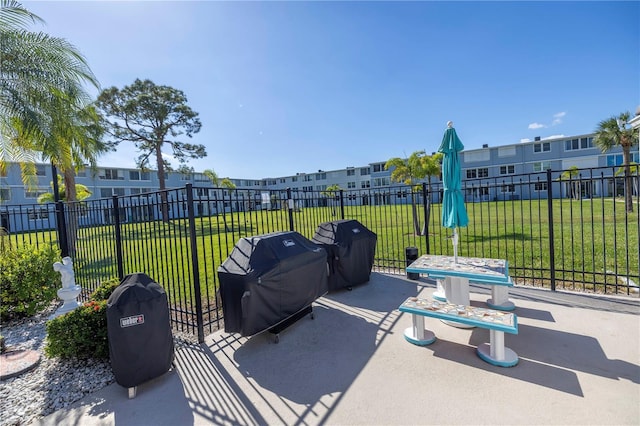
(63, 241)
(290, 206)
(61, 220)
(552, 257)
(427, 210)
(342, 204)
(194, 262)
(118, 232)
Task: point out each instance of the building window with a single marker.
(378, 167)
(507, 189)
(351, 172)
(321, 176)
(185, 176)
(540, 187)
(542, 147)
(307, 178)
(5, 194)
(40, 170)
(139, 175)
(578, 143)
(477, 173)
(33, 194)
(616, 159)
(381, 182)
(321, 187)
(507, 170)
(365, 171)
(283, 180)
(200, 177)
(351, 185)
(307, 188)
(111, 174)
(35, 214)
(294, 178)
(82, 172)
(541, 166)
(365, 184)
(507, 151)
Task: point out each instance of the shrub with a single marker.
(28, 283)
(104, 290)
(81, 333)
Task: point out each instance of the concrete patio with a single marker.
(579, 364)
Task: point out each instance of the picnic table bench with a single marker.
(497, 322)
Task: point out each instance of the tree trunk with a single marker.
(414, 211)
(628, 188)
(71, 196)
(164, 205)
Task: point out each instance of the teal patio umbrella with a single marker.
(454, 213)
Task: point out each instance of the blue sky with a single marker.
(287, 87)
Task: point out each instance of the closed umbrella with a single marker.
(454, 213)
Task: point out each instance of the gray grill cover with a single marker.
(268, 278)
(350, 250)
(139, 330)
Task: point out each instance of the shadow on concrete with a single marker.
(528, 371)
(212, 393)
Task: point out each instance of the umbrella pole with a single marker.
(455, 245)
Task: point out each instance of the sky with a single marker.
(296, 87)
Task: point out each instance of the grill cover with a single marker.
(268, 278)
(139, 330)
(350, 250)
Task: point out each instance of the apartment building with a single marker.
(487, 173)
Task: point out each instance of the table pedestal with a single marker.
(495, 352)
(500, 299)
(417, 335)
(456, 290)
(439, 294)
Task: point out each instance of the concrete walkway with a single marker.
(579, 364)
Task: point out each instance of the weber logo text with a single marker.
(130, 321)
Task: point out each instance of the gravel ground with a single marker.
(53, 384)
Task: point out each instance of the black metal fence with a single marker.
(556, 230)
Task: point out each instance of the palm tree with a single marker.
(330, 192)
(35, 68)
(82, 193)
(633, 171)
(432, 165)
(408, 171)
(573, 187)
(612, 132)
(220, 183)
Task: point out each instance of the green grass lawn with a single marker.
(590, 238)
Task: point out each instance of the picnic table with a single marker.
(457, 275)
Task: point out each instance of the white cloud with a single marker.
(536, 126)
(557, 118)
(525, 140)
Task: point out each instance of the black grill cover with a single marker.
(350, 250)
(268, 278)
(139, 330)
